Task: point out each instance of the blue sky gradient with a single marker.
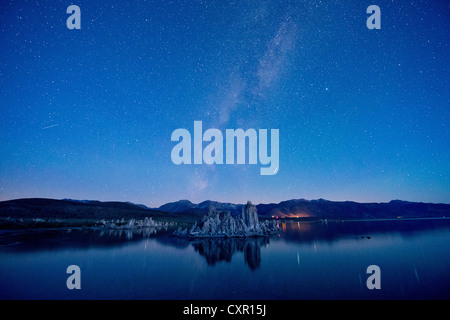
(364, 115)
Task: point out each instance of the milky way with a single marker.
(362, 114)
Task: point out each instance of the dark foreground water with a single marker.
(308, 260)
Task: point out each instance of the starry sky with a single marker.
(363, 115)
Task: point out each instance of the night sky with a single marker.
(363, 115)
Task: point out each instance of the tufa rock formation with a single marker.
(218, 223)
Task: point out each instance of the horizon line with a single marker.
(232, 203)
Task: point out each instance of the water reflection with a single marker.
(56, 239)
(129, 234)
(309, 260)
(334, 231)
(217, 250)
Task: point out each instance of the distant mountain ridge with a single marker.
(325, 209)
(320, 209)
(301, 208)
(74, 209)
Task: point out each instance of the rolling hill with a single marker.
(296, 208)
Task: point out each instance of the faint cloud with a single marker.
(274, 60)
(200, 182)
(268, 71)
(231, 99)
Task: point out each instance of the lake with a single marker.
(307, 260)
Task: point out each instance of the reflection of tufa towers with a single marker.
(222, 249)
(250, 216)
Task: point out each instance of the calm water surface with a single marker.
(308, 260)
